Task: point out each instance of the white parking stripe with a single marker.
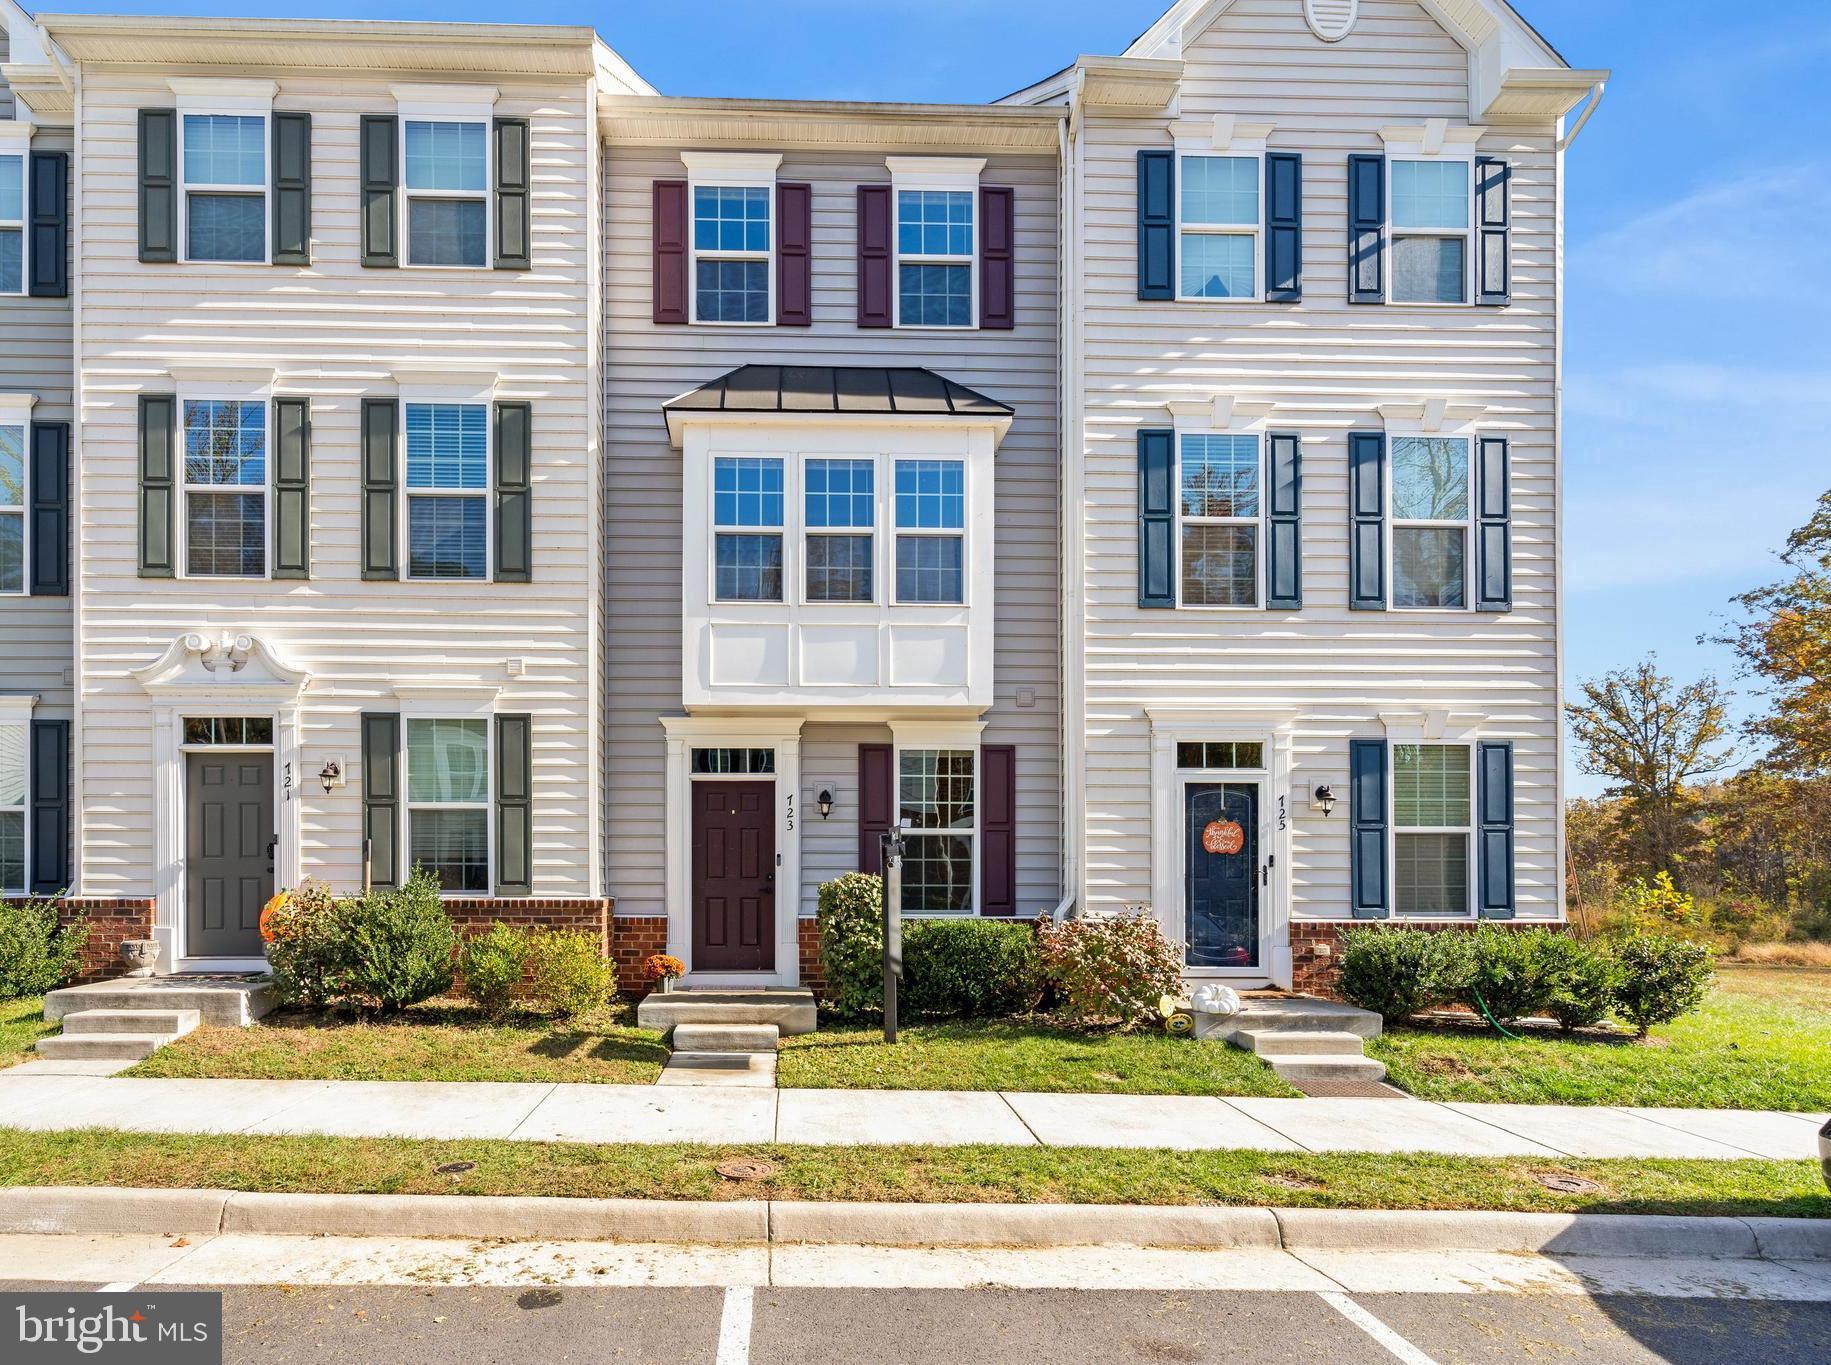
(734, 1326)
(118, 1287)
(1369, 1324)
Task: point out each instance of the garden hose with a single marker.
(1489, 1015)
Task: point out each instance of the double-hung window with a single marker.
(447, 183)
(930, 531)
(225, 488)
(841, 503)
(1431, 207)
(935, 802)
(1430, 820)
(1430, 521)
(1219, 508)
(747, 511)
(448, 801)
(935, 237)
(12, 806)
(1220, 220)
(448, 490)
(12, 223)
(731, 253)
(12, 509)
(225, 187)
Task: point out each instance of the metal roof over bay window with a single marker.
(800, 392)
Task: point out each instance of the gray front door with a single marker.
(228, 868)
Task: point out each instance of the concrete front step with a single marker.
(1292, 1015)
(124, 1047)
(725, 1038)
(789, 1011)
(221, 1001)
(1269, 1043)
(168, 1023)
(1323, 1067)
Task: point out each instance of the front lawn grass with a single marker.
(22, 1024)
(436, 1041)
(910, 1174)
(1019, 1054)
(1761, 1041)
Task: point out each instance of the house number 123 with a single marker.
(791, 810)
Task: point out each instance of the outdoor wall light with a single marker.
(1325, 799)
(825, 802)
(331, 775)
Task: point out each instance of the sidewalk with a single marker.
(546, 1112)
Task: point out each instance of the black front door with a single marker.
(228, 865)
(1221, 886)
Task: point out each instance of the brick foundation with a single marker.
(111, 921)
(813, 976)
(1316, 946)
(474, 915)
(632, 938)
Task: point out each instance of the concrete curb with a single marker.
(102, 1211)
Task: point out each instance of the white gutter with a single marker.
(1596, 92)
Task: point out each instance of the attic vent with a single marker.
(1331, 20)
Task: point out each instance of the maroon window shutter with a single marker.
(670, 227)
(874, 265)
(876, 801)
(997, 259)
(794, 255)
(997, 829)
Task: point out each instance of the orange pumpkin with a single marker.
(275, 903)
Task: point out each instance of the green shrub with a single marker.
(1580, 977)
(398, 945)
(1508, 973)
(1397, 973)
(491, 967)
(571, 975)
(851, 919)
(971, 967)
(1661, 978)
(1112, 968)
(306, 948)
(35, 956)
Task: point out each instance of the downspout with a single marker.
(1596, 92)
(1074, 653)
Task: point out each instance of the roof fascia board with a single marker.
(679, 419)
(829, 123)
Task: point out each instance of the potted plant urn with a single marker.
(665, 970)
(140, 955)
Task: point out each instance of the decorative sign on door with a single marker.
(1223, 836)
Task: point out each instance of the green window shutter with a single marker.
(1367, 877)
(158, 186)
(1367, 520)
(381, 795)
(158, 485)
(1493, 526)
(513, 186)
(514, 493)
(1283, 521)
(380, 488)
(514, 806)
(380, 171)
(1494, 801)
(292, 443)
(1157, 518)
(292, 188)
(50, 785)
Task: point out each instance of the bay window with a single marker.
(841, 510)
(13, 806)
(1219, 225)
(1218, 513)
(225, 187)
(447, 187)
(936, 802)
(747, 515)
(1430, 521)
(12, 509)
(448, 801)
(447, 490)
(930, 526)
(225, 488)
(12, 224)
(1431, 204)
(1431, 806)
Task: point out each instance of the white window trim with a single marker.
(488, 805)
(16, 411)
(880, 508)
(1467, 831)
(17, 711)
(935, 736)
(788, 531)
(1466, 525)
(243, 99)
(1223, 136)
(1435, 140)
(730, 171)
(457, 396)
(16, 140)
(888, 496)
(447, 104)
(955, 173)
(262, 396)
(1224, 415)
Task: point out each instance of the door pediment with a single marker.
(222, 662)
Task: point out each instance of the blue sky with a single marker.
(1698, 351)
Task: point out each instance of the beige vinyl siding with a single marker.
(647, 364)
(335, 331)
(35, 358)
(1328, 366)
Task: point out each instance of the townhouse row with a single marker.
(428, 445)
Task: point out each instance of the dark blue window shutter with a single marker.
(1367, 827)
(381, 796)
(49, 218)
(1157, 225)
(49, 479)
(1157, 518)
(1494, 796)
(50, 783)
(1494, 231)
(1366, 229)
(1284, 521)
(1283, 227)
(1493, 526)
(1367, 520)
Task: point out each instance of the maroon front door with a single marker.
(734, 877)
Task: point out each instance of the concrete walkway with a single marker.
(547, 1112)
